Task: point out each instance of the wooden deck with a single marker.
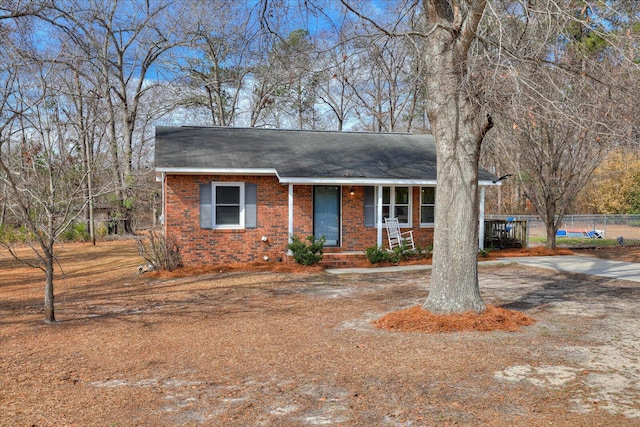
(502, 234)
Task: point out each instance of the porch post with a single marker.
(379, 216)
(162, 215)
(290, 212)
(481, 225)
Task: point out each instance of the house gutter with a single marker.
(290, 227)
(328, 180)
(217, 171)
(366, 181)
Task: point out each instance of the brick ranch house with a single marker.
(238, 194)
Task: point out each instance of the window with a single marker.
(427, 206)
(396, 202)
(228, 205)
(399, 204)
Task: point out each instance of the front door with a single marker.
(326, 214)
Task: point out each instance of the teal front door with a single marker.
(326, 214)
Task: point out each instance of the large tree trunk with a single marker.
(458, 126)
(454, 280)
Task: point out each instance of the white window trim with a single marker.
(426, 224)
(215, 226)
(392, 204)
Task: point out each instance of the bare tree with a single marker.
(39, 166)
(332, 86)
(264, 85)
(385, 83)
(215, 66)
(84, 113)
(560, 107)
(121, 49)
(292, 59)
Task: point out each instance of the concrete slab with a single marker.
(585, 265)
(399, 268)
(569, 263)
(373, 270)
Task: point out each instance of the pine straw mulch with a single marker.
(417, 319)
(414, 319)
(292, 267)
(520, 252)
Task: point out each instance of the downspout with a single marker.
(481, 225)
(379, 216)
(290, 213)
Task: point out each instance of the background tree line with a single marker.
(104, 73)
(97, 76)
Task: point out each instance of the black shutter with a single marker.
(369, 206)
(206, 210)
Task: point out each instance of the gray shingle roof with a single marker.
(299, 154)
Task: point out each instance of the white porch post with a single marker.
(481, 225)
(290, 212)
(379, 216)
(162, 215)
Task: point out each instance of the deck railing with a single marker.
(500, 234)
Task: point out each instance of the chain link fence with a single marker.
(611, 226)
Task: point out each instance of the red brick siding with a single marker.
(302, 210)
(355, 236)
(204, 246)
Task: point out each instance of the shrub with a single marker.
(484, 253)
(307, 254)
(6, 236)
(376, 254)
(400, 253)
(161, 253)
(101, 230)
(420, 253)
(10, 235)
(76, 232)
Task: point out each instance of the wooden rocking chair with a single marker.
(397, 237)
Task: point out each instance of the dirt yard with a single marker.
(260, 348)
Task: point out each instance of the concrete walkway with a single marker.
(569, 263)
(585, 265)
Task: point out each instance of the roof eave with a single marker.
(354, 181)
(305, 180)
(367, 181)
(216, 171)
